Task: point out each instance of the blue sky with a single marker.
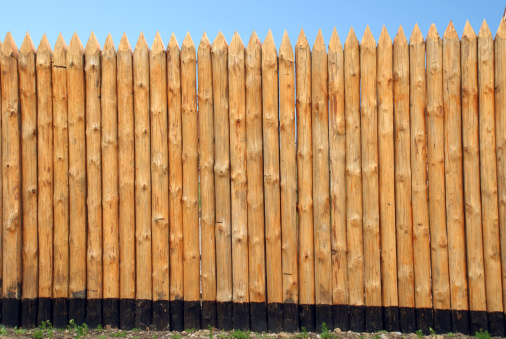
(51, 17)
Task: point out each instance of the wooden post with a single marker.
(500, 128)
(110, 193)
(175, 185)
(421, 231)
(126, 180)
(92, 67)
(1, 201)
(271, 184)
(222, 183)
(144, 292)
(255, 171)
(337, 141)
(28, 103)
(402, 164)
(436, 144)
(354, 183)
(473, 215)
(304, 185)
(288, 175)
(206, 165)
(369, 133)
(321, 198)
(386, 177)
(77, 180)
(45, 179)
(488, 176)
(239, 185)
(159, 183)
(61, 276)
(190, 198)
(454, 181)
(11, 184)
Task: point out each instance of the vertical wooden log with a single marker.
(337, 141)
(1, 208)
(11, 184)
(488, 176)
(61, 186)
(206, 165)
(126, 181)
(28, 103)
(500, 127)
(402, 164)
(239, 186)
(271, 184)
(386, 178)
(190, 196)
(222, 183)
(321, 198)
(288, 175)
(421, 232)
(110, 193)
(175, 185)
(453, 180)
(436, 157)
(304, 184)
(92, 68)
(45, 179)
(255, 171)
(473, 215)
(159, 183)
(144, 292)
(77, 180)
(354, 183)
(369, 133)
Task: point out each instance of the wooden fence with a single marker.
(363, 188)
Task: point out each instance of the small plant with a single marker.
(102, 337)
(326, 334)
(238, 334)
(376, 337)
(3, 330)
(99, 328)
(451, 334)
(432, 332)
(136, 337)
(191, 330)
(18, 331)
(482, 334)
(382, 331)
(38, 333)
(155, 336)
(119, 334)
(136, 329)
(419, 334)
(210, 331)
(303, 335)
(177, 336)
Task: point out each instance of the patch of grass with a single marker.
(155, 336)
(99, 328)
(238, 334)
(37, 333)
(18, 331)
(102, 337)
(451, 334)
(326, 334)
(303, 335)
(432, 332)
(119, 334)
(191, 330)
(376, 337)
(210, 331)
(419, 334)
(136, 329)
(3, 330)
(482, 334)
(177, 336)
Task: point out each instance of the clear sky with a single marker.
(133, 16)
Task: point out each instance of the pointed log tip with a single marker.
(335, 42)
(501, 30)
(188, 41)
(220, 41)
(433, 33)
(109, 43)
(27, 45)
(416, 35)
(124, 44)
(400, 37)
(44, 46)
(254, 42)
(75, 45)
(384, 38)
(204, 41)
(269, 41)
(173, 43)
(141, 42)
(484, 31)
(468, 33)
(302, 40)
(92, 45)
(9, 47)
(351, 38)
(286, 49)
(236, 45)
(450, 32)
(157, 47)
(368, 38)
(319, 43)
(60, 43)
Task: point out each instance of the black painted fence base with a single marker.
(178, 315)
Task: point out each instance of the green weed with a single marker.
(238, 334)
(419, 334)
(482, 334)
(119, 334)
(326, 334)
